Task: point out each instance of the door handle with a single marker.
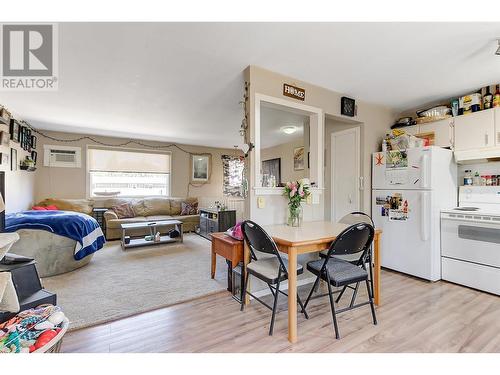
(424, 232)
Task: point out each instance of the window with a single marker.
(129, 173)
(233, 167)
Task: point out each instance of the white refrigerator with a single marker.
(409, 188)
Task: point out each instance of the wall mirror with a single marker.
(284, 145)
(288, 143)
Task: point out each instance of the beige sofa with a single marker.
(147, 209)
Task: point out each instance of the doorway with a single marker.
(345, 172)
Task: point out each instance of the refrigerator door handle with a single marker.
(424, 227)
(424, 170)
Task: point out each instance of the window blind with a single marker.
(112, 160)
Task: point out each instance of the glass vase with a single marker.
(294, 216)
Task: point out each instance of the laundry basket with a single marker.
(54, 345)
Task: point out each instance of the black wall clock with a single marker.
(347, 106)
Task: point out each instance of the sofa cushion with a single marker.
(176, 204)
(152, 206)
(116, 223)
(78, 205)
(189, 208)
(124, 210)
(159, 217)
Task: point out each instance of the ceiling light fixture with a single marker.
(289, 129)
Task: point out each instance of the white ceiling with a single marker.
(271, 122)
(182, 81)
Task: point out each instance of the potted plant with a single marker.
(296, 192)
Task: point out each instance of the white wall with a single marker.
(19, 185)
(376, 121)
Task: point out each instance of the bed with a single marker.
(60, 241)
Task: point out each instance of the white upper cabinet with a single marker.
(441, 130)
(413, 130)
(476, 130)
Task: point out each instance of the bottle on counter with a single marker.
(496, 98)
(488, 180)
(476, 181)
(487, 99)
(468, 177)
(384, 145)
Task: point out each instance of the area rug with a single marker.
(118, 283)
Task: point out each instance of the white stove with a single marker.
(470, 239)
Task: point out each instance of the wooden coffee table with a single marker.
(153, 228)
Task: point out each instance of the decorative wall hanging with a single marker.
(200, 168)
(34, 156)
(4, 139)
(347, 106)
(14, 130)
(298, 158)
(13, 159)
(294, 92)
(232, 169)
(272, 167)
(4, 158)
(33, 141)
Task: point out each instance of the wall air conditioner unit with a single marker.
(62, 156)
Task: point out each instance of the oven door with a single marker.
(471, 239)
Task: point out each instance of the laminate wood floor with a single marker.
(415, 316)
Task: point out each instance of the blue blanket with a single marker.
(79, 227)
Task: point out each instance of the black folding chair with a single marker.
(349, 219)
(270, 268)
(355, 239)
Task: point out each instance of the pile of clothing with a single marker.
(31, 329)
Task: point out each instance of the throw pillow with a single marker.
(52, 208)
(38, 208)
(189, 208)
(123, 211)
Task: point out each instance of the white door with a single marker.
(345, 162)
(406, 222)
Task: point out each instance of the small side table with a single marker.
(230, 249)
(98, 214)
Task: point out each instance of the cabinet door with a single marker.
(441, 131)
(413, 130)
(474, 131)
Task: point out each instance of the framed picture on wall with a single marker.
(298, 158)
(14, 130)
(27, 141)
(4, 158)
(272, 167)
(13, 159)
(34, 156)
(33, 141)
(200, 168)
(4, 139)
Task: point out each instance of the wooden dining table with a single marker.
(310, 237)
